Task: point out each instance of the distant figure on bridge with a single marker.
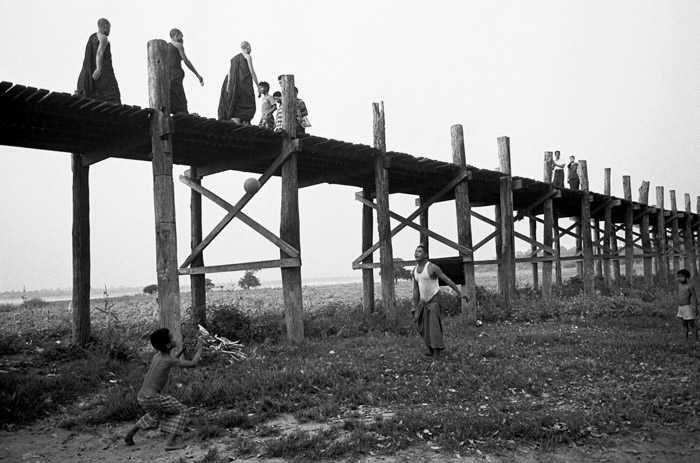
(558, 180)
(97, 78)
(237, 101)
(572, 168)
(268, 106)
(176, 55)
(279, 115)
(302, 114)
(427, 314)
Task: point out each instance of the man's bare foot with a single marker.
(129, 439)
(175, 445)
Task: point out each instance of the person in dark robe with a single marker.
(176, 55)
(97, 78)
(237, 101)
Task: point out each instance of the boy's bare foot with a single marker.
(129, 439)
(175, 445)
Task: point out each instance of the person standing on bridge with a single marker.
(558, 180)
(176, 55)
(572, 168)
(97, 78)
(427, 314)
(237, 101)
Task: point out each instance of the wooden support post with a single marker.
(644, 232)
(533, 248)
(81, 251)
(557, 246)
(629, 231)
(598, 263)
(548, 228)
(507, 258)
(198, 285)
(661, 247)
(688, 245)
(367, 273)
(675, 233)
(381, 179)
(424, 220)
(587, 245)
(609, 238)
(289, 221)
(464, 226)
(163, 189)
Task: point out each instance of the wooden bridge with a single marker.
(611, 233)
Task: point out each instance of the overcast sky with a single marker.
(614, 82)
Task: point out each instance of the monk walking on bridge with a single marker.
(97, 78)
(237, 101)
(176, 56)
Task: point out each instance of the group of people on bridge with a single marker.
(237, 104)
(558, 172)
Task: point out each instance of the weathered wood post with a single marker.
(644, 234)
(424, 220)
(289, 220)
(367, 273)
(587, 245)
(548, 228)
(689, 261)
(675, 235)
(610, 239)
(81, 251)
(381, 179)
(629, 230)
(198, 286)
(163, 189)
(598, 262)
(661, 246)
(557, 247)
(533, 249)
(507, 259)
(464, 226)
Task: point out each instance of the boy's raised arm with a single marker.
(195, 359)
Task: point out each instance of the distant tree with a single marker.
(150, 289)
(249, 280)
(208, 284)
(400, 273)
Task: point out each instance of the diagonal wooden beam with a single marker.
(135, 139)
(460, 176)
(555, 193)
(277, 263)
(487, 239)
(274, 239)
(288, 147)
(415, 226)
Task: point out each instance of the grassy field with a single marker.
(570, 370)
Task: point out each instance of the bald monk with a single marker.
(176, 56)
(97, 78)
(237, 101)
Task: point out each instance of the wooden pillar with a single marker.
(464, 226)
(644, 232)
(367, 235)
(507, 259)
(197, 281)
(557, 246)
(290, 228)
(381, 179)
(596, 250)
(586, 244)
(548, 228)
(629, 230)
(163, 189)
(533, 248)
(81, 251)
(424, 220)
(675, 233)
(612, 276)
(661, 247)
(688, 245)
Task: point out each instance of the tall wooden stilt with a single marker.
(464, 226)
(688, 245)
(81, 251)
(598, 262)
(506, 221)
(629, 230)
(557, 246)
(611, 275)
(163, 189)
(533, 248)
(661, 246)
(367, 273)
(289, 221)
(587, 245)
(381, 179)
(548, 228)
(424, 220)
(197, 281)
(644, 232)
(675, 235)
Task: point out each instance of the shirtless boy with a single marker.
(686, 312)
(160, 408)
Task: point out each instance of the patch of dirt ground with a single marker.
(45, 442)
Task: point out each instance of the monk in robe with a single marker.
(176, 55)
(97, 78)
(237, 101)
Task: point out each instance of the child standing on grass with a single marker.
(686, 312)
(160, 408)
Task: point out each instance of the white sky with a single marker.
(613, 82)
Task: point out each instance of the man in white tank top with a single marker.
(427, 314)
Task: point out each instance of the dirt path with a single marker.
(44, 442)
